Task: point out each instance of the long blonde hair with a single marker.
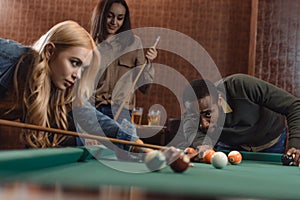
(42, 103)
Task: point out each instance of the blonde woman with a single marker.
(44, 83)
(37, 83)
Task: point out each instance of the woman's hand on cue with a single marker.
(151, 54)
(137, 149)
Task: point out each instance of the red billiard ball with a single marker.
(207, 155)
(234, 157)
(181, 163)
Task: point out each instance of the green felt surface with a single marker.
(251, 179)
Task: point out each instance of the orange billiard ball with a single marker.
(207, 155)
(234, 157)
(181, 163)
(189, 150)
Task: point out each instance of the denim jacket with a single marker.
(89, 119)
(11, 51)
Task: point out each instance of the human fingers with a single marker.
(296, 155)
(151, 54)
(91, 142)
(291, 151)
(202, 148)
(171, 153)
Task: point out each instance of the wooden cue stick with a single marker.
(75, 134)
(133, 84)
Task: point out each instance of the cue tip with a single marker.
(156, 41)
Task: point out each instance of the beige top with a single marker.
(119, 70)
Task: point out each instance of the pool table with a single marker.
(259, 176)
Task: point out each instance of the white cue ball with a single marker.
(155, 160)
(219, 160)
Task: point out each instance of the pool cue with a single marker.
(193, 155)
(75, 134)
(134, 83)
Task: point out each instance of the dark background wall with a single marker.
(259, 37)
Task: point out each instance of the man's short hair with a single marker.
(199, 89)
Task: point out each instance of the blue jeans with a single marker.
(278, 147)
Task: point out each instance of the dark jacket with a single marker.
(259, 111)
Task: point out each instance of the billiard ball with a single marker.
(287, 159)
(181, 163)
(155, 160)
(189, 150)
(219, 160)
(234, 157)
(207, 155)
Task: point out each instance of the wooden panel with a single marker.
(26, 20)
(278, 47)
(253, 32)
(222, 27)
